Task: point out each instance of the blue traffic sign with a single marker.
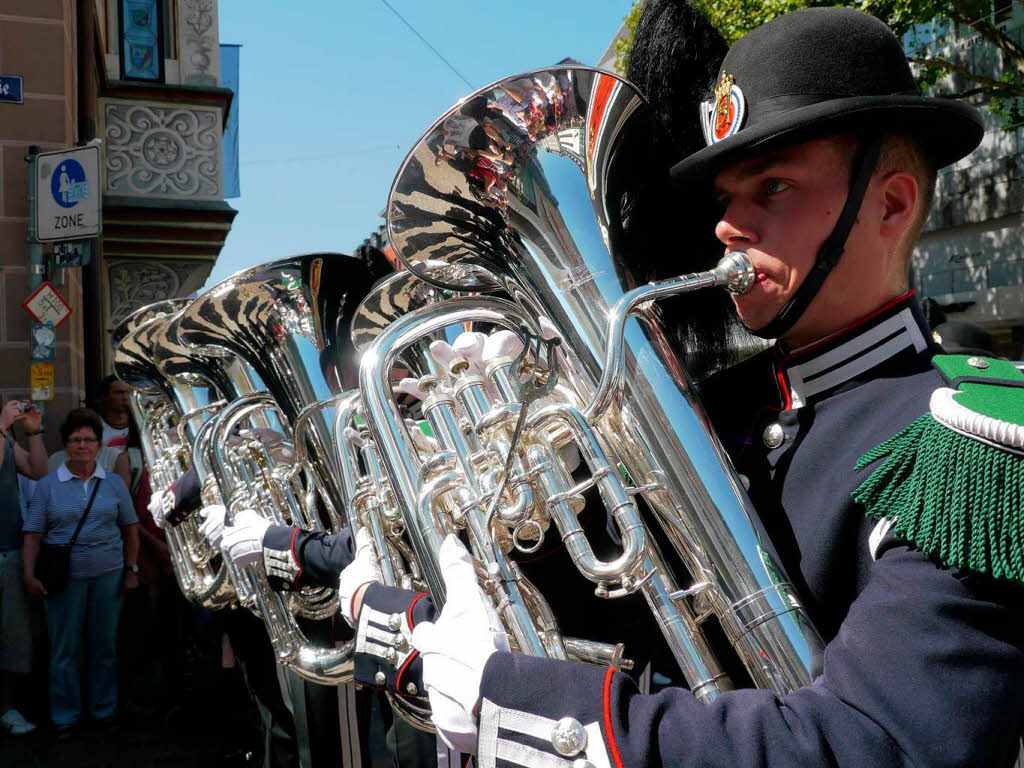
(68, 184)
(11, 89)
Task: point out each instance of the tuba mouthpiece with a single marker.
(735, 273)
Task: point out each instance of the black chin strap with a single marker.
(831, 249)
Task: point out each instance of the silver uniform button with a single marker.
(568, 737)
(401, 643)
(977, 362)
(380, 678)
(411, 689)
(394, 621)
(773, 435)
(391, 656)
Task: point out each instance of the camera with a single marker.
(25, 406)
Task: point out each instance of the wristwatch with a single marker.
(132, 568)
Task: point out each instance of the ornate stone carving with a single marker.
(133, 284)
(159, 150)
(198, 44)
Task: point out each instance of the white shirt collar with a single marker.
(64, 474)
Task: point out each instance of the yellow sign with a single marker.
(41, 381)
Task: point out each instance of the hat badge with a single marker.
(724, 116)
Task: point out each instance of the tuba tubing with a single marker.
(240, 485)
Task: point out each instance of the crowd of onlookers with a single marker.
(113, 635)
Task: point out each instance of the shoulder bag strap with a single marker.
(86, 513)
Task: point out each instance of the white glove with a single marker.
(362, 570)
(156, 509)
(501, 344)
(272, 440)
(243, 541)
(468, 345)
(353, 436)
(456, 648)
(412, 388)
(212, 526)
(424, 444)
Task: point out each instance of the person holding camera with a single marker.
(15, 635)
(80, 552)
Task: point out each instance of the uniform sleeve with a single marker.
(125, 507)
(35, 516)
(297, 558)
(927, 669)
(384, 656)
(187, 498)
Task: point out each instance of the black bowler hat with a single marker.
(816, 72)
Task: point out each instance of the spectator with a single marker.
(15, 629)
(115, 411)
(108, 458)
(104, 561)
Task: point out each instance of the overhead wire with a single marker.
(427, 43)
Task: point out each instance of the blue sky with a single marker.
(334, 93)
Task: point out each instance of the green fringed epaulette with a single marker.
(953, 480)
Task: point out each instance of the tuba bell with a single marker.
(528, 231)
(288, 321)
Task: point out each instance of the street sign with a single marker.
(40, 377)
(12, 89)
(44, 341)
(68, 194)
(46, 305)
(71, 253)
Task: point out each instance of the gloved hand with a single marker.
(156, 508)
(212, 526)
(424, 444)
(273, 441)
(456, 647)
(468, 345)
(508, 344)
(243, 540)
(362, 570)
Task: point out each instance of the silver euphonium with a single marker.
(164, 409)
(285, 319)
(523, 211)
(228, 379)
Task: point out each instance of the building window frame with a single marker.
(158, 15)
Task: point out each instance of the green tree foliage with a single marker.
(944, 70)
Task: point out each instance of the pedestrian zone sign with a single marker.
(46, 305)
(68, 194)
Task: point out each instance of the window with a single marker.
(141, 40)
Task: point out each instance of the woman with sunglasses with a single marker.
(104, 562)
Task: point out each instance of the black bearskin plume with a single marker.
(666, 230)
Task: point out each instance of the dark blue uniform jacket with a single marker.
(923, 665)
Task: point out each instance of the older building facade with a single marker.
(142, 77)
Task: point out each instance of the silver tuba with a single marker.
(288, 320)
(228, 379)
(163, 409)
(509, 196)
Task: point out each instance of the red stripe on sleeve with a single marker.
(609, 734)
(295, 532)
(408, 611)
(401, 671)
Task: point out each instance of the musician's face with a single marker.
(779, 208)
